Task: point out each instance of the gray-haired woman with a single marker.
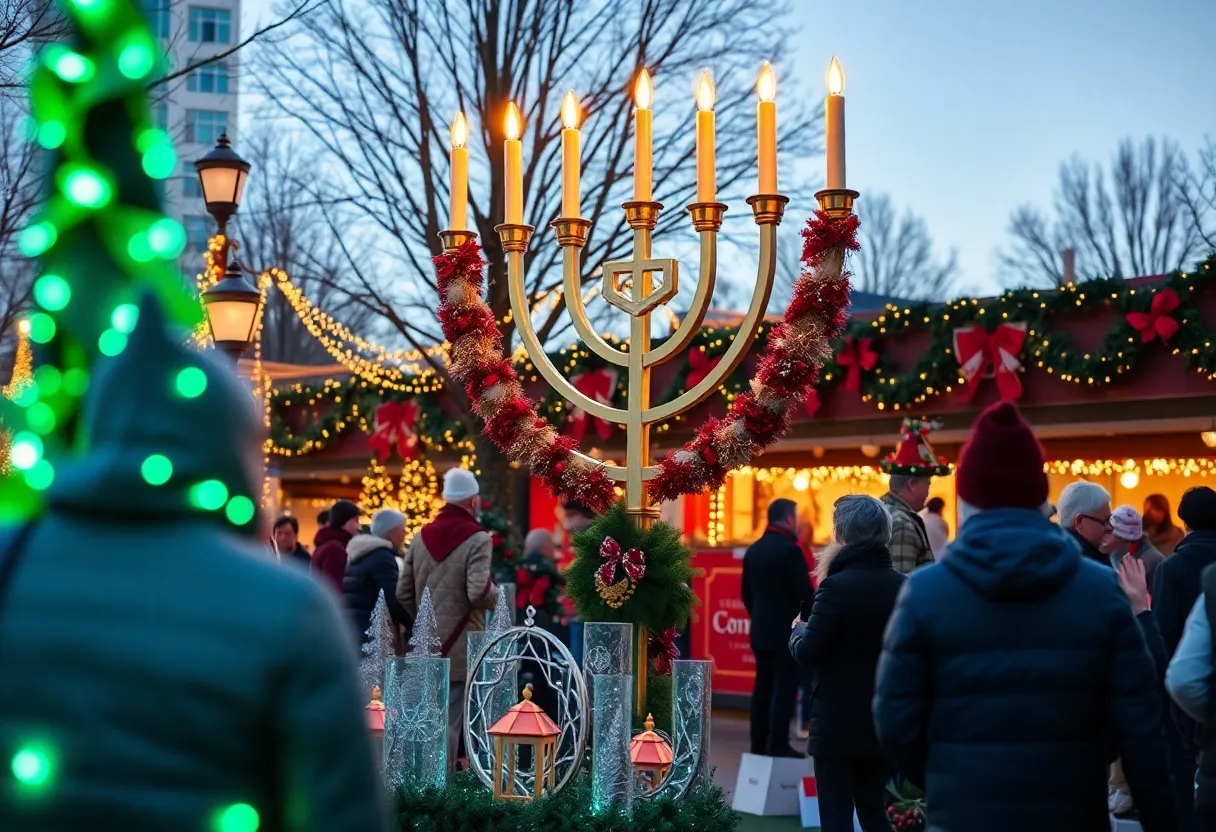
(841, 642)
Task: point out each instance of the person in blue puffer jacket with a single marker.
(1013, 671)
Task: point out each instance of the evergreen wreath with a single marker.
(661, 599)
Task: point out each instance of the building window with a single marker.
(191, 187)
(205, 126)
(208, 78)
(198, 232)
(156, 12)
(160, 115)
(208, 25)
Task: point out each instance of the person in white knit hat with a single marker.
(450, 556)
(1127, 537)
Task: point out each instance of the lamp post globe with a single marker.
(222, 174)
(232, 306)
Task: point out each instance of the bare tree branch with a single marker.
(1128, 220)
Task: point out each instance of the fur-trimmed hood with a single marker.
(362, 545)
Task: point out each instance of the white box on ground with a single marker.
(769, 785)
(1119, 825)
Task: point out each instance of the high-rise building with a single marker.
(198, 107)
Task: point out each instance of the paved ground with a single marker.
(729, 741)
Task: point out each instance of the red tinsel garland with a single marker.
(787, 371)
(511, 419)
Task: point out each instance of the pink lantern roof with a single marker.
(525, 720)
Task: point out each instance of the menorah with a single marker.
(640, 285)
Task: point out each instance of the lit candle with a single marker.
(459, 199)
(834, 124)
(766, 129)
(513, 154)
(707, 184)
(570, 156)
(643, 96)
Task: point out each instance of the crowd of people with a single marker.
(1028, 674)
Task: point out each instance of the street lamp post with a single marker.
(232, 305)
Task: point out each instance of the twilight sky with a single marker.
(964, 109)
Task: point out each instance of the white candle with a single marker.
(513, 157)
(766, 130)
(570, 157)
(707, 183)
(459, 198)
(834, 124)
(643, 169)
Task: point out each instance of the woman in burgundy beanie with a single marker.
(1001, 465)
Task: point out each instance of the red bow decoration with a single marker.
(979, 351)
(857, 356)
(1157, 321)
(811, 402)
(633, 561)
(700, 365)
(532, 588)
(663, 647)
(598, 386)
(395, 425)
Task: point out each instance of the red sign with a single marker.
(721, 632)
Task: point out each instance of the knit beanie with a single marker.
(1198, 508)
(1001, 465)
(385, 520)
(1127, 524)
(343, 512)
(459, 484)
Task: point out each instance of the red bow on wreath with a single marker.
(532, 588)
(979, 351)
(664, 650)
(395, 423)
(633, 561)
(1157, 321)
(857, 356)
(598, 386)
(700, 365)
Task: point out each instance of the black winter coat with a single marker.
(1007, 671)
(775, 583)
(841, 643)
(1177, 584)
(371, 567)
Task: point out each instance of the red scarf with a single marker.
(781, 530)
(451, 527)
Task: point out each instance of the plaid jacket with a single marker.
(909, 543)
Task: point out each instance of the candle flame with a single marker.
(515, 122)
(835, 77)
(460, 130)
(643, 91)
(570, 111)
(766, 84)
(706, 93)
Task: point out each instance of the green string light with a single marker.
(190, 382)
(156, 469)
(48, 379)
(25, 451)
(112, 343)
(52, 292)
(159, 162)
(239, 817)
(86, 186)
(42, 328)
(124, 318)
(75, 382)
(40, 418)
(135, 61)
(37, 238)
(240, 510)
(69, 65)
(51, 134)
(209, 495)
(40, 476)
(32, 767)
(167, 237)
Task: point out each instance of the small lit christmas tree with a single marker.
(378, 648)
(502, 620)
(425, 641)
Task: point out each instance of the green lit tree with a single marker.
(100, 235)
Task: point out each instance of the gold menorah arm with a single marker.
(768, 211)
(572, 236)
(515, 243)
(707, 219)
